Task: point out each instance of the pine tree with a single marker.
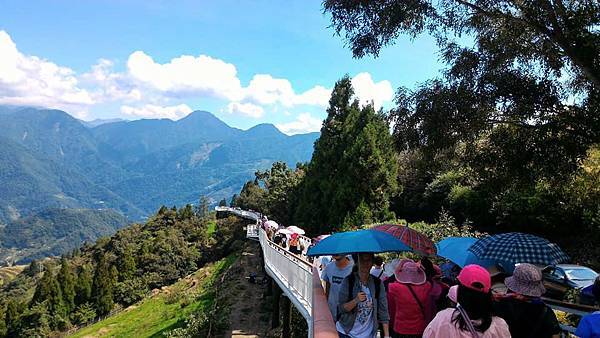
(83, 288)
(66, 280)
(127, 266)
(12, 318)
(48, 290)
(354, 162)
(103, 287)
(3, 328)
(223, 203)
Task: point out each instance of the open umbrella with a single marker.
(296, 230)
(456, 249)
(271, 224)
(417, 241)
(517, 247)
(357, 241)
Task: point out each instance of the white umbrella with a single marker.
(296, 230)
(271, 224)
(285, 232)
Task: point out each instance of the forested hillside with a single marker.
(115, 272)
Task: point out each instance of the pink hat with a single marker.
(294, 235)
(475, 277)
(453, 293)
(409, 272)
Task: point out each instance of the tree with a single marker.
(354, 162)
(127, 265)
(66, 280)
(12, 318)
(203, 207)
(3, 327)
(251, 197)
(103, 286)
(223, 203)
(557, 37)
(279, 194)
(233, 202)
(48, 291)
(83, 287)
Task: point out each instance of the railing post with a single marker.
(285, 332)
(275, 314)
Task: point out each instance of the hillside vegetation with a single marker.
(116, 272)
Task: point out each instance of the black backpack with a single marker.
(352, 279)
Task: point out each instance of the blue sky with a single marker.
(248, 62)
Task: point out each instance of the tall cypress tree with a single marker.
(3, 328)
(49, 290)
(66, 280)
(353, 166)
(102, 290)
(83, 287)
(127, 266)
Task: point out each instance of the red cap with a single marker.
(475, 277)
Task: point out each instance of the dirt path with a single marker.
(249, 311)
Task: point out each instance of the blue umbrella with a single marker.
(517, 247)
(456, 249)
(357, 241)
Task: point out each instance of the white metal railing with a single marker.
(252, 231)
(291, 272)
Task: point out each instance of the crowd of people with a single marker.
(405, 298)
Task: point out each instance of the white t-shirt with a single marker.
(363, 324)
(334, 276)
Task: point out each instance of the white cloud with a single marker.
(153, 111)
(245, 109)
(30, 80)
(186, 76)
(366, 90)
(265, 89)
(110, 86)
(316, 96)
(304, 123)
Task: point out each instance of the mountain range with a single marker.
(52, 161)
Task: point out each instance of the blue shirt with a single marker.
(589, 326)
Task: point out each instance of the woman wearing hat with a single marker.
(409, 298)
(522, 307)
(472, 317)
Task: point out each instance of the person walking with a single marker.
(362, 303)
(333, 275)
(473, 315)
(409, 299)
(589, 326)
(522, 308)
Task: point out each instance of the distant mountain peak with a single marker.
(264, 130)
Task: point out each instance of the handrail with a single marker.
(322, 321)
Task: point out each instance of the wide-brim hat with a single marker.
(526, 280)
(410, 273)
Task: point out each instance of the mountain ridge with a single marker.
(50, 159)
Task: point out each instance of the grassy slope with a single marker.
(9, 273)
(165, 311)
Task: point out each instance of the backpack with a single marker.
(352, 279)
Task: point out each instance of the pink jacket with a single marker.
(408, 318)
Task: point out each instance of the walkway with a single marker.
(296, 277)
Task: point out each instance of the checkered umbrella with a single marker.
(518, 247)
(411, 237)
